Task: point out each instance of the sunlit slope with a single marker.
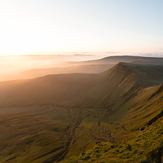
(145, 108)
(142, 136)
(145, 146)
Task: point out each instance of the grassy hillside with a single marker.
(113, 116)
(145, 147)
(139, 135)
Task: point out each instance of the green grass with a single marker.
(101, 118)
(135, 149)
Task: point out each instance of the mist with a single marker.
(15, 67)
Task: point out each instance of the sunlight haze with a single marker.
(56, 26)
(81, 81)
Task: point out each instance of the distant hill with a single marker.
(135, 59)
(91, 66)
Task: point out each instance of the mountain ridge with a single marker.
(115, 115)
(121, 76)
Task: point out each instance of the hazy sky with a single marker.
(51, 26)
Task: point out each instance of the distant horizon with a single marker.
(89, 54)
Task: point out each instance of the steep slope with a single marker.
(139, 137)
(146, 146)
(145, 108)
(123, 82)
(61, 116)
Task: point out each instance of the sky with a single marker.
(60, 26)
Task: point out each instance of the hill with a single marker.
(135, 59)
(64, 88)
(115, 115)
(91, 66)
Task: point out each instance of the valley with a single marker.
(111, 115)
